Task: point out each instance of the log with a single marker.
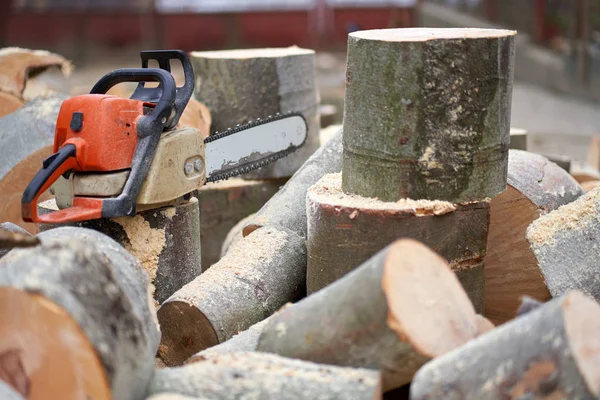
(82, 302)
(427, 113)
(548, 353)
(564, 243)
(223, 204)
(12, 235)
(9, 103)
(239, 86)
(26, 138)
(235, 234)
(589, 185)
(258, 275)
(399, 309)
(339, 225)
(535, 186)
(166, 241)
(258, 375)
(287, 208)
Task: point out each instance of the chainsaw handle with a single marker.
(184, 93)
(164, 105)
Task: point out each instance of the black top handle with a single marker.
(164, 104)
(184, 93)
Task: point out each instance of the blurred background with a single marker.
(557, 77)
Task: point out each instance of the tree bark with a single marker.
(535, 186)
(258, 275)
(399, 309)
(287, 208)
(93, 281)
(235, 235)
(427, 113)
(242, 85)
(340, 233)
(548, 353)
(564, 243)
(166, 241)
(259, 375)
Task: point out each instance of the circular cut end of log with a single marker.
(427, 305)
(242, 54)
(185, 331)
(44, 354)
(424, 34)
(581, 317)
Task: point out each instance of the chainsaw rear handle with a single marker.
(164, 104)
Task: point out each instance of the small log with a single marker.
(83, 304)
(427, 113)
(564, 243)
(287, 208)
(235, 235)
(242, 85)
(166, 241)
(548, 353)
(339, 223)
(258, 375)
(257, 276)
(535, 187)
(396, 311)
(225, 203)
(518, 139)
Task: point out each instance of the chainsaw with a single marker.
(115, 156)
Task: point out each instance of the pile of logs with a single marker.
(419, 252)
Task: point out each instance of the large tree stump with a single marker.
(26, 138)
(341, 227)
(242, 85)
(257, 276)
(399, 309)
(225, 203)
(166, 241)
(287, 208)
(258, 375)
(565, 244)
(535, 186)
(551, 352)
(427, 113)
(77, 312)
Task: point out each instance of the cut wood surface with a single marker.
(266, 376)
(287, 208)
(535, 186)
(9, 103)
(427, 113)
(26, 137)
(83, 282)
(565, 244)
(341, 227)
(239, 86)
(223, 204)
(396, 311)
(551, 352)
(196, 115)
(166, 241)
(258, 275)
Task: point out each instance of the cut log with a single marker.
(564, 243)
(235, 234)
(82, 303)
(258, 275)
(259, 375)
(535, 187)
(549, 353)
(242, 85)
(427, 113)
(223, 204)
(166, 241)
(26, 137)
(287, 208)
(12, 235)
(589, 185)
(9, 103)
(196, 115)
(341, 226)
(399, 309)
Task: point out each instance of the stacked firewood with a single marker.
(413, 254)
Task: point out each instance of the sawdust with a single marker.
(569, 217)
(328, 190)
(169, 212)
(45, 106)
(145, 243)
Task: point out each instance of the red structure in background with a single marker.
(126, 23)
